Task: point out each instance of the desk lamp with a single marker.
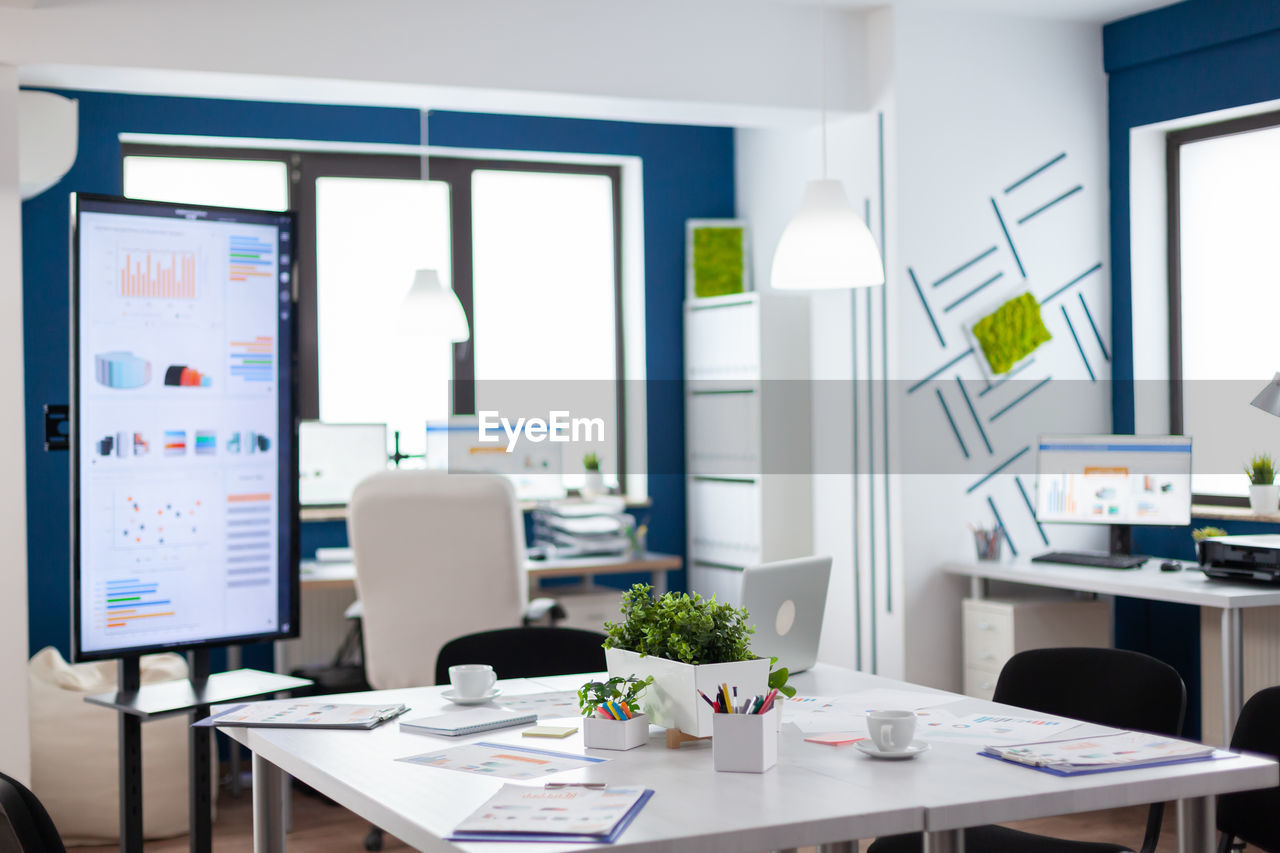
(430, 310)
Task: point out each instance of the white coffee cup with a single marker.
(472, 680)
(891, 731)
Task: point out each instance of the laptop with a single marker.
(786, 601)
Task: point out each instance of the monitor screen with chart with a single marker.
(184, 484)
(1114, 479)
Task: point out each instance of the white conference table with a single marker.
(816, 795)
(1189, 586)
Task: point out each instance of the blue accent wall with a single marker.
(688, 173)
(1179, 61)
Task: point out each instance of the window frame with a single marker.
(1174, 140)
(306, 166)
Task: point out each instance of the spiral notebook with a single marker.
(469, 722)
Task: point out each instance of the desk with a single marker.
(1189, 586)
(815, 795)
(318, 574)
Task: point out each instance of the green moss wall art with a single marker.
(1011, 333)
(718, 259)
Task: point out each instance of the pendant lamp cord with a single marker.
(822, 88)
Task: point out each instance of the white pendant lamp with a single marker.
(826, 245)
(432, 310)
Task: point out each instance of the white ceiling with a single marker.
(1092, 11)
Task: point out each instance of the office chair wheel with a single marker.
(373, 841)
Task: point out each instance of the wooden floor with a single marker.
(321, 827)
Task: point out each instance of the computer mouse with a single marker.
(1170, 566)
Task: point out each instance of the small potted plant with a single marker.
(612, 714)
(594, 484)
(1263, 496)
(685, 643)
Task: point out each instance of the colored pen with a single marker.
(707, 699)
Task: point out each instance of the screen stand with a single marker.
(137, 704)
(1121, 540)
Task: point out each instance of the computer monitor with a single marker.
(333, 458)
(1118, 480)
(184, 456)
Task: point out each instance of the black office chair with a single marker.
(525, 652)
(1110, 687)
(518, 653)
(1254, 816)
(29, 825)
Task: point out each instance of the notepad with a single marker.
(549, 731)
(468, 722)
(567, 814)
(287, 714)
(1115, 751)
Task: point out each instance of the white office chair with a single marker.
(437, 556)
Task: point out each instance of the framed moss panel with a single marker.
(1007, 336)
(717, 257)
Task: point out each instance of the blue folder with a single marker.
(560, 838)
(1086, 770)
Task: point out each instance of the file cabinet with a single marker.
(995, 629)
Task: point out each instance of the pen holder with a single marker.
(987, 543)
(745, 743)
(599, 733)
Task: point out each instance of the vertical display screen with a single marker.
(184, 496)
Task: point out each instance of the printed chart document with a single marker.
(502, 760)
(1115, 751)
(520, 812)
(819, 714)
(557, 703)
(995, 728)
(304, 715)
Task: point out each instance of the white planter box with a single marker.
(1264, 500)
(672, 701)
(599, 733)
(745, 743)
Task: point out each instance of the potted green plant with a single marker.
(1263, 496)
(594, 484)
(685, 643)
(612, 718)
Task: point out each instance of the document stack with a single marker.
(582, 528)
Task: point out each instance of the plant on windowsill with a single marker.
(1264, 499)
(686, 643)
(594, 484)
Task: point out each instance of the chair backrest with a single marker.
(437, 555)
(526, 652)
(1253, 815)
(1110, 687)
(24, 821)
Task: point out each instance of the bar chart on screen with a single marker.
(133, 603)
(157, 275)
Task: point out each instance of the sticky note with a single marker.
(549, 731)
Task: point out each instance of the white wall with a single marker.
(981, 102)
(714, 61)
(15, 757)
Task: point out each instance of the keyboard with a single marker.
(1093, 560)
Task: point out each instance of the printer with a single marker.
(1250, 558)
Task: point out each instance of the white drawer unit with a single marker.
(995, 629)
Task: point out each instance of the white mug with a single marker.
(891, 731)
(472, 680)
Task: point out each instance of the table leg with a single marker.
(977, 588)
(234, 662)
(659, 583)
(1232, 670)
(1196, 825)
(944, 841)
(268, 806)
(839, 847)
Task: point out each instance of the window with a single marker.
(532, 250)
(1224, 262)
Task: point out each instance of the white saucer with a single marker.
(868, 747)
(453, 697)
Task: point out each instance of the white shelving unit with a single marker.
(747, 436)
